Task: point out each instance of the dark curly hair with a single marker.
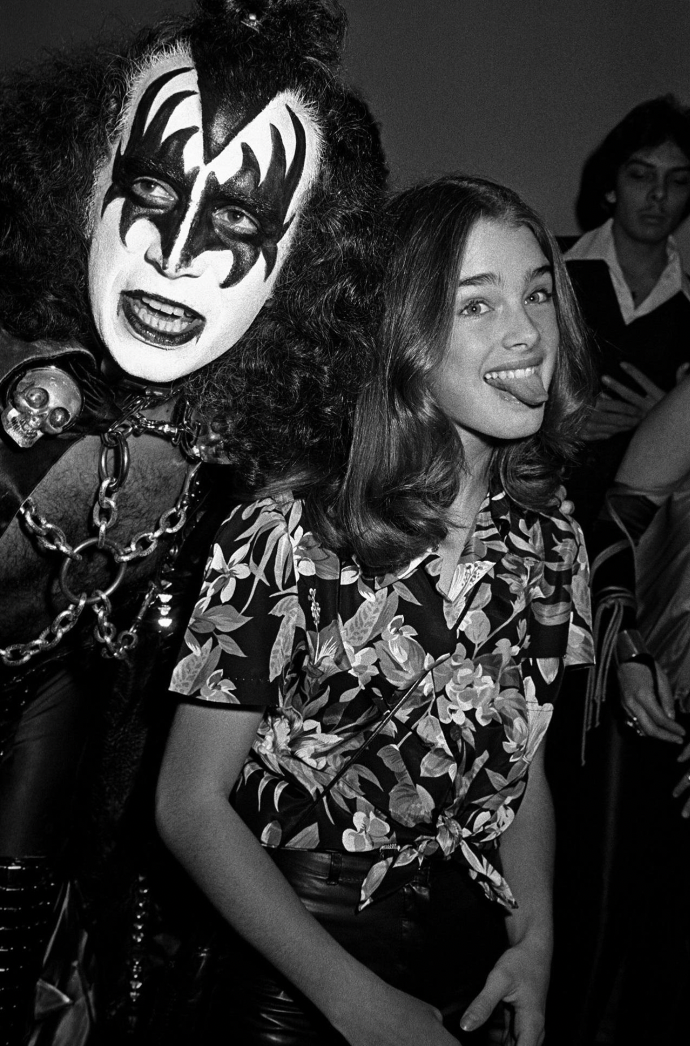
(281, 400)
(406, 460)
(649, 124)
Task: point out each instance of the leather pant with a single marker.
(42, 737)
(39, 761)
(433, 934)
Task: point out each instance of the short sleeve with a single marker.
(562, 617)
(240, 638)
(580, 642)
(570, 543)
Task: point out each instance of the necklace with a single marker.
(113, 473)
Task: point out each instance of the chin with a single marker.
(155, 372)
(654, 233)
(149, 362)
(515, 432)
(520, 423)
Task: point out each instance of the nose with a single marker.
(520, 331)
(658, 190)
(175, 261)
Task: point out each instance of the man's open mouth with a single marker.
(159, 321)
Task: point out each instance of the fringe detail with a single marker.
(611, 604)
(599, 676)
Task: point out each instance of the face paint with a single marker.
(192, 220)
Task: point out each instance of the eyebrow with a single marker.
(141, 166)
(653, 166)
(133, 167)
(482, 279)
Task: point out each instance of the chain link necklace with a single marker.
(113, 472)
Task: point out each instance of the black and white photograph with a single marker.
(344, 522)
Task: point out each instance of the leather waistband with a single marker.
(335, 866)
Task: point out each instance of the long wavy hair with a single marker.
(281, 399)
(406, 463)
(649, 124)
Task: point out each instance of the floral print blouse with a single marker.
(283, 622)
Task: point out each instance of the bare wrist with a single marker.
(537, 939)
(356, 985)
(630, 646)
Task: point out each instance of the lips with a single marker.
(523, 383)
(159, 321)
(653, 217)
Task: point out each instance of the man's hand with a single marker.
(647, 698)
(624, 411)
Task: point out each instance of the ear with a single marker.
(610, 197)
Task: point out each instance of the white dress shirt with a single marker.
(599, 245)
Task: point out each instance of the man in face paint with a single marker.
(197, 252)
(192, 218)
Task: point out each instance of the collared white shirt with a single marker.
(599, 245)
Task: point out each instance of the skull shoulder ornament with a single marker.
(44, 401)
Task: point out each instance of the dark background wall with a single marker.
(519, 90)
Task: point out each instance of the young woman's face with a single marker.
(652, 193)
(493, 381)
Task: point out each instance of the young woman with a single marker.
(370, 676)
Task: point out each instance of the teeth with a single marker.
(161, 306)
(522, 372)
(169, 319)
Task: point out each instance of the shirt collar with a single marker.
(599, 245)
(492, 524)
(496, 534)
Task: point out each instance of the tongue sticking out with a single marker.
(528, 388)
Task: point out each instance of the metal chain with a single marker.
(19, 653)
(113, 471)
(144, 543)
(119, 645)
(48, 536)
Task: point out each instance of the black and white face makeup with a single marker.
(192, 219)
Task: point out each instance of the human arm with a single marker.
(658, 455)
(520, 977)
(645, 692)
(656, 461)
(204, 757)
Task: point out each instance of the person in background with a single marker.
(650, 503)
(629, 281)
(641, 589)
(635, 298)
(371, 668)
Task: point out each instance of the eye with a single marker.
(231, 222)
(152, 193)
(541, 296)
(680, 180)
(640, 174)
(474, 308)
